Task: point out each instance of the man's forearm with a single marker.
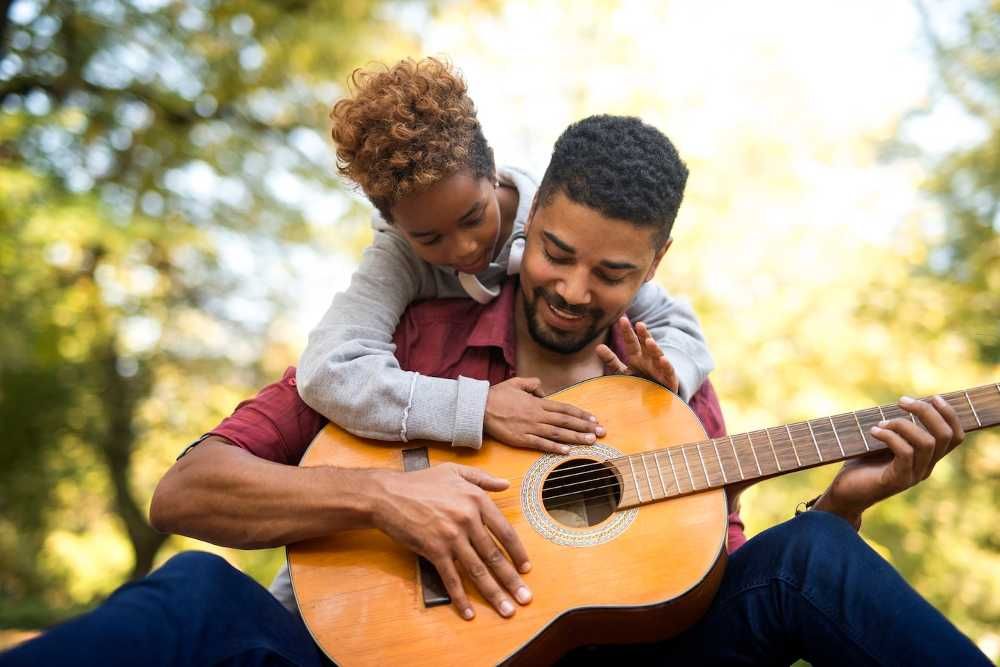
(227, 496)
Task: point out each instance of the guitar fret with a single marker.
(688, 466)
(659, 472)
(864, 438)
(882, 412)
(673, 470)
(707, 480)
(794, 449)
(837, 436)
(635, 480)
(721, 467)
(649, 482)
(754, 452)
(818, 453)
(736, 456)
(777, 462)
(978, 423)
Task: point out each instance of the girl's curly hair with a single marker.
(404, 128)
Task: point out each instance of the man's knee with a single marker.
(199, 565)
(818, 547)
(200, 575)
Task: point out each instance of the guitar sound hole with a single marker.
(581, 492)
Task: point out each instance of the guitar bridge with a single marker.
(432, 588)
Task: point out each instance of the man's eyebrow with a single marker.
(618, 266)
(559, 243)
(607, 263)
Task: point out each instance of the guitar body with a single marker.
(640, 574)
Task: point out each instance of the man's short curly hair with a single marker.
(404, 128)
(620, 167)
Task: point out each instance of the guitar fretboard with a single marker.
(699, 466)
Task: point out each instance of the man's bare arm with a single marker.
(227, 496)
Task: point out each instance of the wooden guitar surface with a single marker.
(618, 581)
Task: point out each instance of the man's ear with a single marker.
(531, 213)
(656, 260)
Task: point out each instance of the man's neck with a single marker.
(555, 369)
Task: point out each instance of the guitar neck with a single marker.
(699, 466)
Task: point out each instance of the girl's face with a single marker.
(455, 223)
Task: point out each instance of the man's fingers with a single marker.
(483, 579)
(901, 468)
(503, 531)
(922, 442)
(481, 478)
(949, 414)
(612, 364)
(938, 428)
(503, 571)
(453, 582)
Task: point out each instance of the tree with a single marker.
(966, 179)
(148, 148)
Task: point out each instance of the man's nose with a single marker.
(574, 287)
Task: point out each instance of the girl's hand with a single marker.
(516, 414)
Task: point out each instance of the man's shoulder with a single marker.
(276, 424)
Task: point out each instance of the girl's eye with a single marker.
(431, 241)
(473, 223)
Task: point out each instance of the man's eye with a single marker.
(609, 280)
(556, 260)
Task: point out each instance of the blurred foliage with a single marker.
(966, 181)
(153, 156)
(162, 164)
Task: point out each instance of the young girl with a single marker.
(448, 224)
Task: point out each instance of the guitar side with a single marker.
(360, 595)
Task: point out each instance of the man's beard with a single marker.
(555, 340)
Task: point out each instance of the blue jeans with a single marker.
(809, 588)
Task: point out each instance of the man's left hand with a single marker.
(644, 356)
(912, 453)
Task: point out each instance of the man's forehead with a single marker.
(576, 228)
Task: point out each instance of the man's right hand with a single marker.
(444, 514)
(517, 415)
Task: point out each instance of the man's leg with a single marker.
(811, 588)
(195, 610)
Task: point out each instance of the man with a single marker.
(600, 228)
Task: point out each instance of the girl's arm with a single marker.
(349, 372)
(675, 328)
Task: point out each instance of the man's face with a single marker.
(580, 272)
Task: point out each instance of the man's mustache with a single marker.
(557, 301)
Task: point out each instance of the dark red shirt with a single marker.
(441, 338)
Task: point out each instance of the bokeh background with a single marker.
(171, 226)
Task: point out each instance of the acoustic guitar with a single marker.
(626, 537)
